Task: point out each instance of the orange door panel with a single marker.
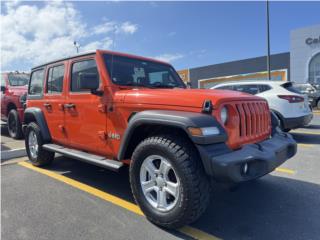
(53, 110)
(86, 118)
(53, 100)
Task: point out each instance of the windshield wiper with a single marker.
(137, 85)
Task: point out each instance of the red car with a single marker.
(13, 96)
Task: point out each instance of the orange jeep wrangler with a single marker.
(113, 109)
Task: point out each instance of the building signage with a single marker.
(311, 41)
(184, 75)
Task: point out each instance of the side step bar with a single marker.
(85, 157)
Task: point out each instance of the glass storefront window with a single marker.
(314, 70)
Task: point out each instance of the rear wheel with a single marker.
(14, 125)
(168, 181)
(33, 139)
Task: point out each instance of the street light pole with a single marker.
(268, 43)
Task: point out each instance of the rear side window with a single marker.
(249, 88)
(263, 88)
(55, 79)
(230, 87)
(86, 66)
(289, 86)
(36, 82)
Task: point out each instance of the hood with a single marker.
(18, 90)
(182, 97)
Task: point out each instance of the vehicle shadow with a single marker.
(270, 208)
(306, 138)
(312, 126)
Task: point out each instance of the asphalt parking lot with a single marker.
(74, 200)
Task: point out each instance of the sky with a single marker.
(186, 34)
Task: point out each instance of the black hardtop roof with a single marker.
(63, 59)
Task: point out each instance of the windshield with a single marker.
(127, 71)
(18, 79)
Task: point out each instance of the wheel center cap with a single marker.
(160, 181)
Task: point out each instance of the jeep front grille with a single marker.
(252, 122)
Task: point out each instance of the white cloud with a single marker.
(118, 28)
(103, 44)
(36, 34)
(103, 28)
(167, 57)
(128, 27)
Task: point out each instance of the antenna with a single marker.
(77, 46)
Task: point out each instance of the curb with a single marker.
(13, 153)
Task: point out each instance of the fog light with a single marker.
(245, 168)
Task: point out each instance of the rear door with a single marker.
(86, 118)
(54, 99)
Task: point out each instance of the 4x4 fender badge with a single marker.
(115, 136)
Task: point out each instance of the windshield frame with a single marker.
(171, 71)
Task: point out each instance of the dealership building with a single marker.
(300, 65)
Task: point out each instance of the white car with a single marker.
(284, 100)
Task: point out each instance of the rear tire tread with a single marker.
(44, 157)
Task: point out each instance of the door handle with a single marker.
(47, 105)
(69, 105)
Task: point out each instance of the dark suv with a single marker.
(312, 93)
(13, 96)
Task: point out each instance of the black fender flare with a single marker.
(178, 119)
(32, 113)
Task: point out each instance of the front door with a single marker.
(86, 119)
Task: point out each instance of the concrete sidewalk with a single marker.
(10, 148)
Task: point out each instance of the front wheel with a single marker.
(168, 181)
(14, 125)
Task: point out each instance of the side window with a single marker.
(36, 82)
(250, 88)
(263, 88)
(86, 66)
(229, 87)
(55, 79)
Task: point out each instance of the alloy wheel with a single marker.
(160, 183)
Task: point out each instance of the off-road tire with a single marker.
(43, 157)
(194, 184)
(14, 125)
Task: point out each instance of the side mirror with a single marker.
(3, 89)
(88, 81)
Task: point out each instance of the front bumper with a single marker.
(260, 158)
(291, 123)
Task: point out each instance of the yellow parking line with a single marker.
(197, 234)
(306, 132)
(285, 170)
(305, 145)
(187, 230)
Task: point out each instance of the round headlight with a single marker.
(224, 115)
